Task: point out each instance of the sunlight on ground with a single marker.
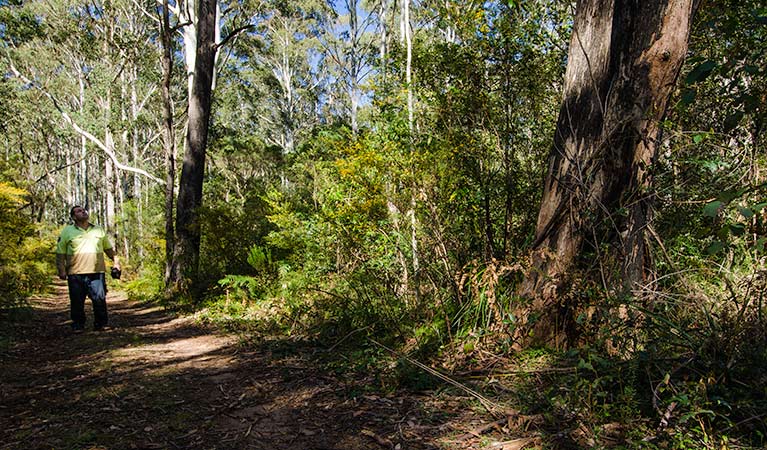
(197, 352)
(146, 310)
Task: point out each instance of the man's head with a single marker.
(78, 213)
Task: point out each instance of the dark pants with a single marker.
(94, 286)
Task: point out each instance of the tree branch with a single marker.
(81, 131)
(61, 167)
(233, 35)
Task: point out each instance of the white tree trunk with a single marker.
(409, 62)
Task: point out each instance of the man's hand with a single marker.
(62, 275)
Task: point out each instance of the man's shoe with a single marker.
(102, 328)
(78, 330)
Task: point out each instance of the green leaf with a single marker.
(698, 138)
(688, 97)
(711, 166)
(582, 364)
(760, 243)
(745, 212)
(758, 207)
(700, 72)
(738, 229)
(730, 195)
(712, 209)
(714, 248)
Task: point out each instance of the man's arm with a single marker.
(110, 252)
(61, 255)
(61, 265)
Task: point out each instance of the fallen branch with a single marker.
(477, 432)
(491, 407)
(517, 373)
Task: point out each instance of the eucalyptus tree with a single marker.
(285, 53)
(407, 35)
(77, 64)
(623, 64)
(186, 252)
(168, 131)
(201, 22)
(350, 46)
(385, 9)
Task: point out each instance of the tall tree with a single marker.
(350, 45)
(288, 34)
(187, 245)
(623, 63)
(76, 64)
(168, 137)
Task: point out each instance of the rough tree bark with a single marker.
(187, 245)
(623, 63)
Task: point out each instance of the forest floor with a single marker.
(158, 381)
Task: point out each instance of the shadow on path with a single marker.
(158, 381)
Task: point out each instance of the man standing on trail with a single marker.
(80, 260)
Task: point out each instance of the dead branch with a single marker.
(80, 130)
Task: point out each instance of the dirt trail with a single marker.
(159, 382)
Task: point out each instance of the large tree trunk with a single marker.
(623, 63)
(187, 245)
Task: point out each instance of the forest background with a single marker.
(375, 169)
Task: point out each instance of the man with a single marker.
(80, 260)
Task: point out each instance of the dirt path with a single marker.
(159, 382)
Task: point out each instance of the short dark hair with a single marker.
(72, 211)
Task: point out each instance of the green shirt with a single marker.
(83, 250)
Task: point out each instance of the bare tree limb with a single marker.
(234, 34)
(80, 130)
(145, 12)
(54, 170)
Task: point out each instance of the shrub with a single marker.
(25, 256)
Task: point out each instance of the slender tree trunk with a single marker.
(407, 30)
(354, 65)
(409, 61)
(623, 63)
(108, 191)
(70, 192)
(187, 245)
(132, 142)
(126, 79)
(394, 214)
(168, 138)
(82, 192)
(383, 45)
(109, 187)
